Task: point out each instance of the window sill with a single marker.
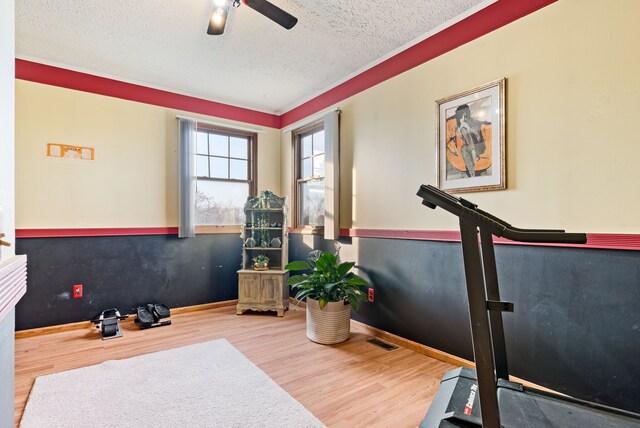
(211, 229)
(308, 230)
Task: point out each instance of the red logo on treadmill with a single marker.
(472, 396)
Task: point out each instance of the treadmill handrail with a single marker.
(434, 197)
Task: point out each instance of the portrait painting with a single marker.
(471, 139)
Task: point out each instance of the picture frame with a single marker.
(470, 138)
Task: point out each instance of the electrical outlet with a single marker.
(77, 291)
(370, 294)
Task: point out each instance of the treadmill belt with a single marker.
(532, 410)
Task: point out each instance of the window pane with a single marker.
(201, 143)
(239, 148)
(305, 146)
(318, 142)
(220, 203)
(202, 166)
(218, 145)
(306, 168)
(318, 166)
(312, 203)
(219, 167)
(238, 169)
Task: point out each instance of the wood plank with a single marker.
(84, 324)
(352, 384)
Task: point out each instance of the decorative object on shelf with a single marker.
(267, 199)
(260, 203)
(331, 290)
(471, 139)
(276, 242)
(264, 226)
(261, 262)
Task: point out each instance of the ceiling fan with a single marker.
(221, 9)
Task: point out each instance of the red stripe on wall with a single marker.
(49, 75)
(66, 233)
(492, 17)
(480, 23)
(611, 241)
(422, 235)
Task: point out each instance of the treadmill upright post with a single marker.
(480, 329)
(493, 294)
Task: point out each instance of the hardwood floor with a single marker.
(353, 384)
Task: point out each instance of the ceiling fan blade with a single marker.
(218, 19)
(273, 12)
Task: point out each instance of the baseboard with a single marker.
(84, 324)
(360, 327)
(357, 326)
(22, 334)
(203, 307)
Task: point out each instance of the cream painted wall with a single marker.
(573, 81)
(133, 180)
(7, 131)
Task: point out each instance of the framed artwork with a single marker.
(471, 139)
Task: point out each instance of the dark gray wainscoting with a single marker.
(124, 272)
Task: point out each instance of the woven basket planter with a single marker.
(330, 324)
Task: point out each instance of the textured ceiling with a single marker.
(255, 64)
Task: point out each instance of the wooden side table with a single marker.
(265, 290)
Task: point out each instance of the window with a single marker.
(316, 177)
(226, 171)
(309, 171)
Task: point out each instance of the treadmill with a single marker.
(485, 397)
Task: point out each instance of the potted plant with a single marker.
(331, 290)
(261, 262)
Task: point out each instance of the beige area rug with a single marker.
(210, 384)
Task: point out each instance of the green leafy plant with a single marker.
(327, 281)
(268, 194)
(260, 258)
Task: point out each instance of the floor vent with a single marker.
(382, 344)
